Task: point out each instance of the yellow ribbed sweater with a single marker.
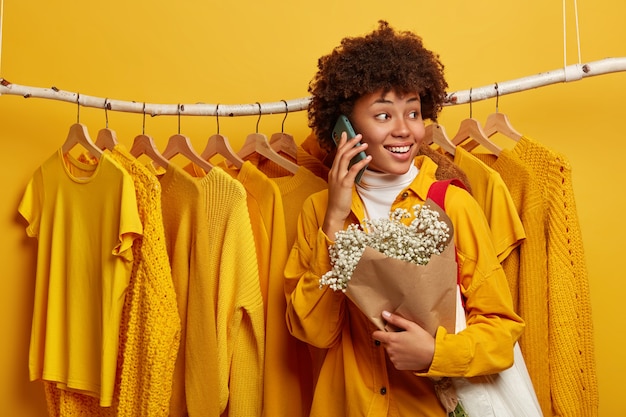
(238, 304)
(281, 392)
(185, 222)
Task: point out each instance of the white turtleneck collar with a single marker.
(379, 190)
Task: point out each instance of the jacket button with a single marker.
(405, 195)
(383, 391)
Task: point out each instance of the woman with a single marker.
(387, 83)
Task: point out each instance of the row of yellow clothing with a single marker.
(183, 268)
(200, 302)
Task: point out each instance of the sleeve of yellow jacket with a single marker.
(492, 323)
(317, 316)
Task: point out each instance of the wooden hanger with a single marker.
(436, 133)
(219, 145)
(284, 142)
(78, 135)
(180, 144)
(106, 139)
(470, 128)
(258, 143)
(499, 123)
(144, 145)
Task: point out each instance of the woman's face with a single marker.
(393, 128)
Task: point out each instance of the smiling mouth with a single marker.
(398, 149)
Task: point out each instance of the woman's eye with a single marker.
(414, 114)
(382, 116)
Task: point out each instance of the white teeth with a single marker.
(399, 149)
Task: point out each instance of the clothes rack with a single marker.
(566, 74)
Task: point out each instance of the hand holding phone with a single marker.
(344, 125)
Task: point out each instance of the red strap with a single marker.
(437, 190)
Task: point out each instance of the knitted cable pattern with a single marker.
(572, 363)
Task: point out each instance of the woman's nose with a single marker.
(400, 128)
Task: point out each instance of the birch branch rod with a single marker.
(566, 74)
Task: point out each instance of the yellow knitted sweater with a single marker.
(574, 387)
(238, 305)
(186, 224)
(274, 204)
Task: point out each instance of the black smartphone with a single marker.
(344, 125)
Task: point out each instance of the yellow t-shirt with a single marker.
(85, 219)
(356, 377)
(493, 196)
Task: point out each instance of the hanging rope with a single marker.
(572, 72)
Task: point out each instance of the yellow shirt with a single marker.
(526, 268)
(356, 377)
(85, 219)
(493, 196)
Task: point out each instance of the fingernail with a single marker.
(386, 314)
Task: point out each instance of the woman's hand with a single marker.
(411, 349)
(340, 183)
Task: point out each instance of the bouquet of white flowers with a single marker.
(405, 264)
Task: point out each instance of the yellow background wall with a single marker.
(246, 51)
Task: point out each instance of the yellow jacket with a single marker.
(356, 377)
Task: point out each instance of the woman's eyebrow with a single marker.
(383, 100)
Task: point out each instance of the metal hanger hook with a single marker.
(470, 102)
(497, 97)
(77, 107)
(106, 114)
(143, 123)
(282, 126)
(179, 107)
(217, 117)
(259, 119)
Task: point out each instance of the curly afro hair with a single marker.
(384, 60)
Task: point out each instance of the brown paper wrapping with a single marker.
(424, 294)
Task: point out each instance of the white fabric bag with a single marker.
(509, 393)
